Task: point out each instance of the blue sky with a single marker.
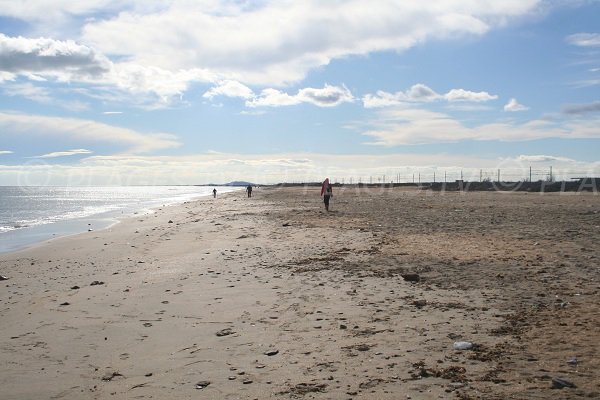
(180, 92)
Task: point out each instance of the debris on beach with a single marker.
(419, 303)
(225, 332)
(109, 376)
(560, 383)
(463, 345)
(271, 352)
(96, 283)
(411, 277)
(302, 389)
(3, 278)
(202, 384)
(75, 287)
(454, 373)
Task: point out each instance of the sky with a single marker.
(122, 92)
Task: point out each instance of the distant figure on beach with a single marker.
(249, 190)
(215, 193)
(326, 192)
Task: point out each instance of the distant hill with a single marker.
(239, 183)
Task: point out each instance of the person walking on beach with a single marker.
(215, 193)
(326, 192)
(249, 190)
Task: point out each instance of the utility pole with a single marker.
(551, 180)
(433, 176)
(498, 174)
(480, 175)
(530, 174)
(444, 176)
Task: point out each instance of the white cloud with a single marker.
(12, 124)
(543, 158)
(161, 47)
(584, 39)
(328, 96)
(6, 152)
(64, 60)
(278, 42)
(395, 127)
(416, 93)
(28, 91)
(466, 95)
(514, 106)
(273, 98)
(65, 153)
(421, 93)
(112, 112)
(229, 88)
(40, 94)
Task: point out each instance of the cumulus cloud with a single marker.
(273, 98)
(421, 93)
(576, 109)
(162, 47)
(584, 39)
(278, 42)
(63, 59)
(395, 127)
(328, 96)
(229, 88)
(65, 153)
(514, 106)
(83, 130)
(466, 95)
(67, 61)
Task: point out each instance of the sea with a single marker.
(32, 214)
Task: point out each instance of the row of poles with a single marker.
(483, 174)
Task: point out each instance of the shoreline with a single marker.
(271, 297)
(31, 236)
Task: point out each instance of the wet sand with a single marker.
(272, 297)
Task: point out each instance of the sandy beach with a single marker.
(272, 297)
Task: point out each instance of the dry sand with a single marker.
(271, 297)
